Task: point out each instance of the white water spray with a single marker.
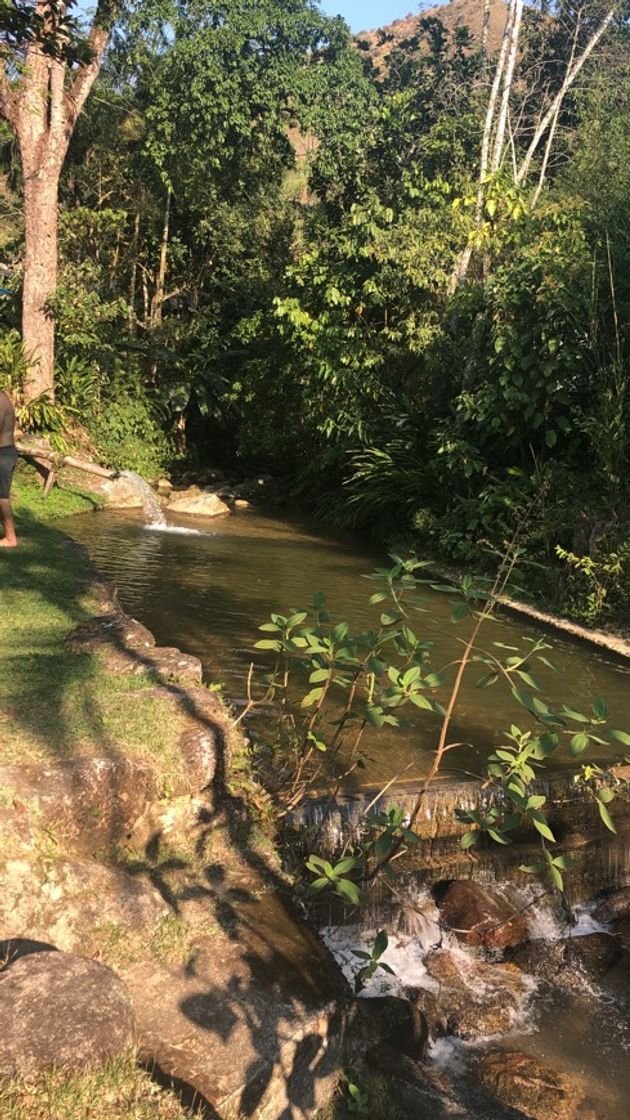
(154, 516)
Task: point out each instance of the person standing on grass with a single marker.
(8, 459)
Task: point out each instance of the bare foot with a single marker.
(7, 543)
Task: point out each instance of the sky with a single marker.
(362, 15)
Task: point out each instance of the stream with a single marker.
(206, 587)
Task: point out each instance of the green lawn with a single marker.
(54, 704)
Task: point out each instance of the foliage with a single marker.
(328, 685)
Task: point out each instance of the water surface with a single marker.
(207, 592)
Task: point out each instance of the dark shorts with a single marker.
(8, 459)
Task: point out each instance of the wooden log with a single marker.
(43, 454)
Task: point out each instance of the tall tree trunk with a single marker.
(42, 107)
(508, 77)
(485, 27)
(40, 282)
(160, 286)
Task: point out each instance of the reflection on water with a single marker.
(207, 592)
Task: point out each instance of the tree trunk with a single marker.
(160, 286)
(41, 106)
(485, 27)
(40, 281)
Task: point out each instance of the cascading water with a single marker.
(154, 516)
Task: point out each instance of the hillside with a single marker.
(456, 13)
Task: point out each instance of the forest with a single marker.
(413, 247)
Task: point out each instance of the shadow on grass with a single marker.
(276, 980)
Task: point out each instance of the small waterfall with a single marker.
(154, 517)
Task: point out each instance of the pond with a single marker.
(207, 591)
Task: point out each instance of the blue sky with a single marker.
(365, 14)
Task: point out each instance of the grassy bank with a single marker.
(53, 704)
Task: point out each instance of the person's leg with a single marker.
(6, 516)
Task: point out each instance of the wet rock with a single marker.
(63, 902)
(402, 1025)
(200, 505)
(93, 801)
(615, 905)
(164, 485)
(62, 1011)
(114, 493)
(126, 646)
(253, 1024)
(110, 633)
(199, 751)
(241, 503)
(622, 930)
(173, 820)
(566, 961)
(596, 953)
(538, 1091)
(479, 918)
(477, 998)
(544, 959)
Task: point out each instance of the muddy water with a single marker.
(207, 592)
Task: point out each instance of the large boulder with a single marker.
(615, 906)
(64, 901)
(476, 998)
(126, 646)
(567, 961)
(198, 504)
(537, 1091)
(400, 1023)
(95, 802)
(61, 1011)
(480, 918)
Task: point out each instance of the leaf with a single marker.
(551, 438)
(565, 863)
(571, 713)
(524, 699)
(297, 618)
(318, 884)
(311, 697)
(320, 675)
(270, 626)
(600, 707)
(380, 945)
(421, 701)
(606, 795)
(339, 631)
(349, 890)
(528, 679)
(267, 643)
(377, 597)
(578, 743)
(459, 612)
(469, 839)
(411, 676)
(390, 618)
(498, 837)
(486, 680)
(556, 877)
(606, 817)
(536, 802)
(374, 715)
(619, 737)
(540, 824)
(344, 865)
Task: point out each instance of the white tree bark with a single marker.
(506, 89)
(554, 107)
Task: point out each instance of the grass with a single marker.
(121, 1090)
(53, 704)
